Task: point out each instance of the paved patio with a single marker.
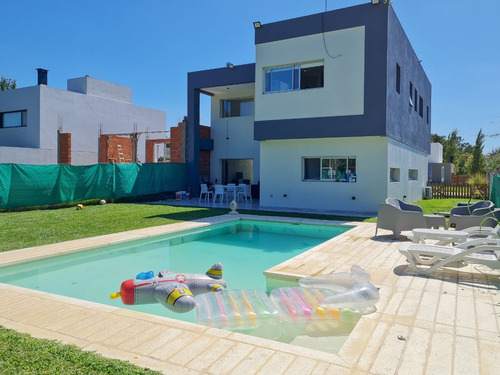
(446, 323)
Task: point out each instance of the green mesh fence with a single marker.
(495, 191)
(39, 185)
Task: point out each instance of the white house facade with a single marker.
(334, 114)
(33, 117)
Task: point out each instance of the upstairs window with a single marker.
(398, 79)
(236, 107)
(294, 77)
(13, 119)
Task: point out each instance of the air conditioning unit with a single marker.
(428, 192)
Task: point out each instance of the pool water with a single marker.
(246, 248)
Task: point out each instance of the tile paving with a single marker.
(448, 322)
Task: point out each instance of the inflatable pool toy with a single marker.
(341, 297)
(235, 308)
(175, 291)
(351, 290)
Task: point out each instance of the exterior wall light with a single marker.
(230, 65)
(374, 2)
(257, 25)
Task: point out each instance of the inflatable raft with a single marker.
(342, 297)
(175, 291)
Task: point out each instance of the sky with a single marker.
(151, 45)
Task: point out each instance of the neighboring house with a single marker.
(439, 172)
(334, 114)
(93, 121)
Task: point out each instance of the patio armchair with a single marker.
(425, 259)
(478, 208)
(397, 216)
(481, 217)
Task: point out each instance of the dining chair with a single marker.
(219, 192)
(205, 192)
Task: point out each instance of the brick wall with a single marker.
(176, 143)
(110, 143)
(65, 148)
(150, 148)
(177, 148)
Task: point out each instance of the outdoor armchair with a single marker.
(478, 208)
(490, 218)
(397, 216)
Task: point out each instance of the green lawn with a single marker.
(22, 354)
(40, 227)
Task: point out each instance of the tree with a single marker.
(478, 161)
(452, 147)
(493, 161)
(7, 84)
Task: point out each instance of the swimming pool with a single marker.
(246, 248)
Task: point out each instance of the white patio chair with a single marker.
(477, 251)
(241, 191)
(219, 192)
(204, 192)
(229, 192)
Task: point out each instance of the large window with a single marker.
(294, 77)
(13, 119)
(236, 107)
(338, 169)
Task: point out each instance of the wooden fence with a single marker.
(442, 191)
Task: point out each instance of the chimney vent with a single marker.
(42, 76)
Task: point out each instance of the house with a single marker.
(92, 121)
(335, 114)
(439, 172)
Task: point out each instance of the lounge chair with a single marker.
(397, 216)
(445, 237)
(477, 251)
(482, 217)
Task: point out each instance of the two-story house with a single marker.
(335, 114)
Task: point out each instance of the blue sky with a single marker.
(151, 45)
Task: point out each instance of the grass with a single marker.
(22, 229)
(21, 354)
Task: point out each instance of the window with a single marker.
(13, 119)
(428, 115)
(398, 79)
(236, 107)
(338, 169)
(416, 98)
(411, 94)
(421, 107)
(394, 175)
(413, 174)
(294, 77)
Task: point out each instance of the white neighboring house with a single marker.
(31, 119)
(334, 114)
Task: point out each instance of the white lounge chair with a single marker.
(478, 251)
(445, 237)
